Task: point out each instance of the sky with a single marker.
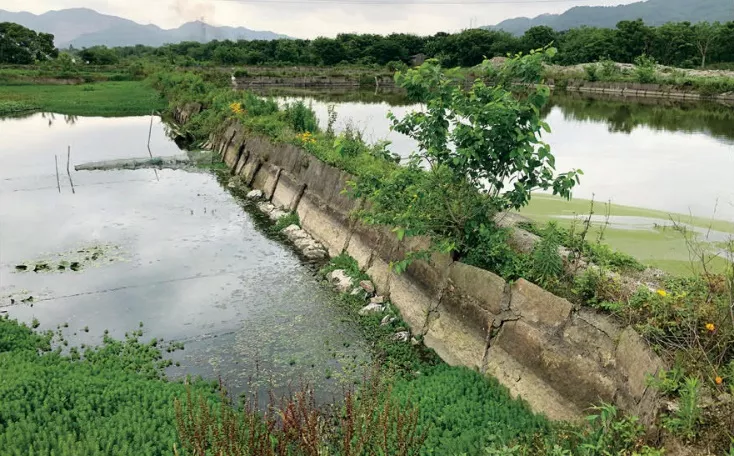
(312, 18)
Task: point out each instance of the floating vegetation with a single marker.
(74, 260)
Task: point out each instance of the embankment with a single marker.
(639, 90)
(560, 359)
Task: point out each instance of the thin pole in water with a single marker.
(150, 132)
(68, 171)
(58, 181)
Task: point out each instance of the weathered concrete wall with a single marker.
(639, 90)
(561, 360)
(350, 81)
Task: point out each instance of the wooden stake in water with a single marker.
(58, 181)
(68, 171)
(150, 130)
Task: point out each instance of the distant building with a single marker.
(417, 60)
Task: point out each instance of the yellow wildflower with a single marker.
(236, 108)
(663, 293)
(711, 327)
(719, 380)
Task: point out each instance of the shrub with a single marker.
(592, 72)
(645, 69)
(301, 117)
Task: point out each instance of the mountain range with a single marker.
(83, 27)
(653, 12)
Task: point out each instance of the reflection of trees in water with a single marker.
(69, 119)
(665, 115)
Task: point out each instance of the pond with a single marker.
(653, 160)
(658, 155)
(170, 249)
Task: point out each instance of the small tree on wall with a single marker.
(481, 146)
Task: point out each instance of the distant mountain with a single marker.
(653, 12)
(82, 27)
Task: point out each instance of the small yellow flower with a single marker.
(719, 380)
(236, 108)
(711, 327)
(663, 293)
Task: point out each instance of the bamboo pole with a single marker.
(68, 171)
(58, 181)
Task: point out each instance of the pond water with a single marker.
(659, 155)
(171, 249)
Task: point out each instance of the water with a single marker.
(178, 254)
(658, 155)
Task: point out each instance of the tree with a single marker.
(704, 36)
(482, 148)
(632, 39)
(538, 37)
(99, 55)
(20, 45)
(328, 51)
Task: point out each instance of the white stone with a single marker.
(378, 300)
(314, 253)
(386, 320)
(371, 309)
(402, 336)
(277, 214)
(341, 281)
(267, 208)
(367, 286)
(255, 194)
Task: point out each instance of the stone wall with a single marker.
(634, 89)
(560, 359)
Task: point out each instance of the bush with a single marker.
(301, 117)
(592, 72)
(645, 69)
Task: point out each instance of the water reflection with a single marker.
(670, 156)
(189, 262)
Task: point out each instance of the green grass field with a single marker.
(659, 247)
(107, 99)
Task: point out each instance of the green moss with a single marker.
(129, 98)
(111, 400)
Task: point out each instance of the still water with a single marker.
(657, 155)
(179, 254)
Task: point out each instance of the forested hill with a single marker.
(653, 12)
(83, 27)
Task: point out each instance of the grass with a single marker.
(665, 249)
(105, 99)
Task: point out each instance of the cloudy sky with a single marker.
(311, 18)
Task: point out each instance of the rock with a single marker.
(277, 214)
(386, 320)
(368, 286)
(402, 336)
(294, 232)
(314, 253)
(255, 194)
(371, 309)
(233, 182)
(341, 281)
(266, 208)
(378, 300)
(359, 292)
(414, 341)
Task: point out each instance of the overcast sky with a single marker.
(311, 18)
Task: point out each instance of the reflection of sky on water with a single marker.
(191, 264)
(672, 171)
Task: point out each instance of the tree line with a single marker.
(680, 44)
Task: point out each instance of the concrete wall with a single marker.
(633, 89)
(560, 359)
(350, 81)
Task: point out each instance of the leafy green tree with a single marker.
(328, 51)
(704, 36)
(538, 37)
(673, 44)
(99, 55)
(20, 45)
(632, 38)
(481, 146)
